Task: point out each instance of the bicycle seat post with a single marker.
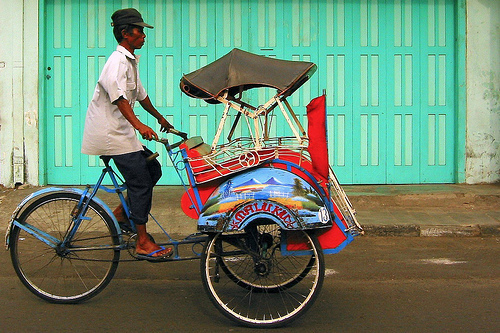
(118, 189)
(106, 160)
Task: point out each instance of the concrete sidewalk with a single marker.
(428, 210)
(383, 210)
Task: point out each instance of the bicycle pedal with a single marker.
(131, 244)
(126, 227)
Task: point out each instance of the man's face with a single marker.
(135, 39)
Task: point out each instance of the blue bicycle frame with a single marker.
(88, 195)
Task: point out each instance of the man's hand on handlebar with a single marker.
(165, 126)
(176, 132)
(147, 132)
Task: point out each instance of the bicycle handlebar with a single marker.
(178, 133)
(172, 130)
(177, 144)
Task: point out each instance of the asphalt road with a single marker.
(414, 284)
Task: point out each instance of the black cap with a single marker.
(128, 16)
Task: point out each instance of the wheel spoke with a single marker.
(257, 285)
(61, 274)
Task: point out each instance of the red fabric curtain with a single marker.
(316, 129)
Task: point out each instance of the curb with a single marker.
(413, 230)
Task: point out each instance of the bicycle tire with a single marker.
(273, 230)
(265, 302)
(72, 273)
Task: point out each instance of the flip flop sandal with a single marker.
(150, 256)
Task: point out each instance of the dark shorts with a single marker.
(140, 178)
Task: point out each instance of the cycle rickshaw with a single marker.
(268, 208)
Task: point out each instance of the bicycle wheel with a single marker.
(277, 287)
(67, 273)
(265, 236)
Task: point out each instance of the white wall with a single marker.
(19, 92)
(483, 91)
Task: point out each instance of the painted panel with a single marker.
(274, 188)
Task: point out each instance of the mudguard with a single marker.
(278, 195)
(264, 192)
(46, 191)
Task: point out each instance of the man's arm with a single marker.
(147, 132)
(148, 106)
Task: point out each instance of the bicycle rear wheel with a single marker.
(65, 273)
(288, 270)
(254, 283)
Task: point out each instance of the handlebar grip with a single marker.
(178, 133)
(175, 145)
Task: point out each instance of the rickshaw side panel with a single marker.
(193, 201)
(278, 195)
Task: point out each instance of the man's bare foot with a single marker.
(152, 250)
(145, 246)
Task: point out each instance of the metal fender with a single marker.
(46, 191)
(264, 192)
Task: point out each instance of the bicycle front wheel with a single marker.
(252, 282)
(80, 265)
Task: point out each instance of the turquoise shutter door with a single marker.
(96, 45)
(162, 74)
(388, 68)
(62, 101)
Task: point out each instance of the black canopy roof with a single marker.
(241, 70)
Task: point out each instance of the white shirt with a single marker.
(107, 131)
